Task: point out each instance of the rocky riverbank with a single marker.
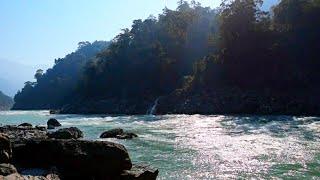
(28, 152)
(220, 101)
(237, 101)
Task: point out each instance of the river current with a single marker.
(206, 147)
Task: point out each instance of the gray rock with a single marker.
(112, 133)
(126, 136)
(74, 158)
(17, 176)
(5, 149)
(140, 172)
(7, 169)
(19, 134)
(28, 125)
(41, 128)
(66, 133)
(118, 133)
(53, 122)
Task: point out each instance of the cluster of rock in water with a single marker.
(31, 153)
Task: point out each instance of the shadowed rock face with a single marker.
(118, 133)
(53, 122)
(25, 125)
(18, 134)
(7, 169)
(74, 157)
(5, 149)
(31, 148)
(141, 172)
(66, 133)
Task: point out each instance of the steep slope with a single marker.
(55, 87)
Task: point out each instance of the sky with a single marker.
(35, 32)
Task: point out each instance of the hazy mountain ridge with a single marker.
(55, 86)
(6, 102)
(13, 75)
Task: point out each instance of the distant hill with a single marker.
(6, 102)
(56, 85)
(13, 75)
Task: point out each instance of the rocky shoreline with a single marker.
(220, 101)
(28, 152)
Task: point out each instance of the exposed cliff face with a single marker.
(6, 102)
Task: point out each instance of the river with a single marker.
(206, 147)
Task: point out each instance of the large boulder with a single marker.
(74, 158)
(18, 134)
(7, 169)
(5, 149)
(53, 123)
(66, 133)
(117, 133)
(17, 176)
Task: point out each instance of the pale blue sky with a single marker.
(35, 32)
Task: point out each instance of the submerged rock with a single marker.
(54, 111)
(126, 136)
(66, 133)
(140, 172)
(75, 158)
(5, 149)
(53, 123)
(118, 133)
(7, 169)
(112, 133)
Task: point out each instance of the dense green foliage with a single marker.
(196, 51)
(152, 57)
(54, 87)
(5, 102)
(257, 50)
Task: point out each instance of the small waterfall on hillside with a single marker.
(153, 109)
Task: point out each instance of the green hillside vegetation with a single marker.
(233, 59)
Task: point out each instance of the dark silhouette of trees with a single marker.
(55, 87)
(194, 51)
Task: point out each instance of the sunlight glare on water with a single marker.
(206, 147)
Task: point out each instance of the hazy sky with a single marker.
(35, 32)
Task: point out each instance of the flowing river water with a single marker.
(206, 147)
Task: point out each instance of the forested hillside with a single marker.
(54, 88)
(233, 59)
(6, 102)
(265, 63)
(147, 61)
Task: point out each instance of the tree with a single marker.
(39, 74)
